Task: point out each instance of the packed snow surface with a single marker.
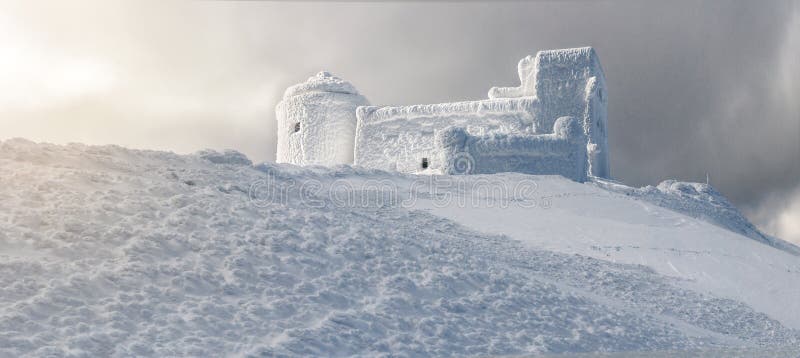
(106, 251)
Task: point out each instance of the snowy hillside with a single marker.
(106, 251)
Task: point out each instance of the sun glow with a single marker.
(31, 76)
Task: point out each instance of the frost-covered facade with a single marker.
(316, 121)
(554, 122)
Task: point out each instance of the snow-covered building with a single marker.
(317, 121)
(554, 122)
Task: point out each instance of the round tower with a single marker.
(317, 121)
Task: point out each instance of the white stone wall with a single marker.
(595, 125)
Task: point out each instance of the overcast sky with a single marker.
(694, 87)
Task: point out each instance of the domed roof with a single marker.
(322, 82)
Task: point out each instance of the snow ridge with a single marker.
(700, 200)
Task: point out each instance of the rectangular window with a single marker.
(424, 163)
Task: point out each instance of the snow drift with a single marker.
(108, 251)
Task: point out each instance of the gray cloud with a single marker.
(695, 87)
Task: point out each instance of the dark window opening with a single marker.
(424, 163)
(297, 127)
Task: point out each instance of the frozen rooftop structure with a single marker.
(554, 122)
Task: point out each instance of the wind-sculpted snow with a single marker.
(114, 252)
(700, 201)
(225, 157)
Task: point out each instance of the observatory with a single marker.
(554, 122)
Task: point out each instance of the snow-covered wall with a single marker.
(553, 84)
(317, 121)
(401, 138)
(562, 152)
(567, 82)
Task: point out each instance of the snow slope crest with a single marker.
(107, 251)
(700, 200)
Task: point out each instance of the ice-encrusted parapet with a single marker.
(323, 81)
(567, 82)
(317, 121)
(526, 71)
(562, 152)
(403, 138)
